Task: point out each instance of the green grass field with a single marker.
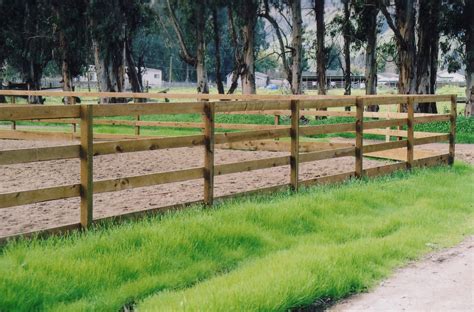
(258, 253)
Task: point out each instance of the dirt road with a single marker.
(443, 281)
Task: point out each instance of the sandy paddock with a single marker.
(39, 216)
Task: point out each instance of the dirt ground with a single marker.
(443, 281)
(29, 176)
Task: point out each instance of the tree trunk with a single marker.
(371, 52)
(132, 72)
(238, 57)
(469, 37)
(248, 35)
(110, 72)
(297, 46)
(347, 51)
(217, 42)
(427, 52)
(33, 81)
(201, 72)
(320, 51)
(405, 13)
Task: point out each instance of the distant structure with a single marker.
(151, 77)
(334, 79)
(261, 80)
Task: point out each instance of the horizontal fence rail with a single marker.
(293, 106)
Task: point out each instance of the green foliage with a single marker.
(254, 253)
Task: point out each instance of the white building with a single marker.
(151, 77)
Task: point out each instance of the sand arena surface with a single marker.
(44, 215)
(36, 175)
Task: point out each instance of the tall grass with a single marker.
(254, 253)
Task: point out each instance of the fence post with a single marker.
(359, 137)
(137, 127)
(410, 131)
(137, 118)
(14, 125)
(73, 102)
(209, 112)
(277, 120)
(86, 156)
(452, 132)
(295, 142)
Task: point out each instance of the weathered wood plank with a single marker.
(39, 195)
(432, 161)
(126, 183)
(222, 138)
(328, 102)
(325, 129)
(431, 139)
(332, 179)
(254, 97)
(26, 112)
(251, 165)
(384, 123)
(148, 109)
(282, 146)
(383, 170)
(383, 99)
(429, 98)
(434, 118)
(138, 145)
(400, 133)
(20, 156)
(36, 135)
(86, 156)
(371, 148)
(59, 230)
(333, 153)
(222, 107)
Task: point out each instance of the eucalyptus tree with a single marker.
(246, 13)
(28, 40)
(290, 52)
(112, 37)
(188, 20)
(402, 23)
(320, 48)
(71, 46)
(457, 27)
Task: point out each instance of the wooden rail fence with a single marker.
(88, 149)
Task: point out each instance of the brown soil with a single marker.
(39, 216)
(443, 281)
(29, 176)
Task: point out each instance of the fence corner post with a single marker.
(209, 116)
(359, 127)
(295, 142)
(410, 131)
(86, 156)
(452, 132)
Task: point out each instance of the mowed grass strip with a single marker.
(256, 253)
